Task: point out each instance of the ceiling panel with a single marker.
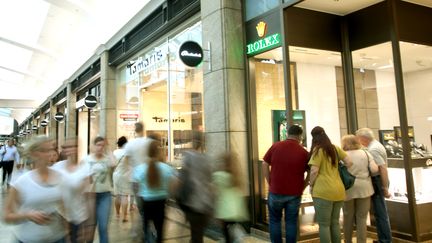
(427, 3)
(338, 7)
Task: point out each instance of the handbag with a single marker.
(347, 178)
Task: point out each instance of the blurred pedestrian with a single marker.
(154, 179)
(101, 162)
(76, 180)
(122, 181)
(195, 193)
(136, 152)
(54, 157)
(357, 200)
(328, 192)
(284, 167)
(35, 198)
(380, 182)
(230, 206)
(9, 156)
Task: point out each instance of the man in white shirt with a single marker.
(136, 153)
(136, 150)
(9, 155)
(380, 182)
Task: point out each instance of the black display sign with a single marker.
(34, 127)
(90, 101)
(59, 116)
(44, 123)
(191, 53)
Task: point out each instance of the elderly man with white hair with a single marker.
(380, 183)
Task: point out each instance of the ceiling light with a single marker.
(268, 61)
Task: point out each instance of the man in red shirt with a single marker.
(284, 167)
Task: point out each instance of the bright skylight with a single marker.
(43, 42)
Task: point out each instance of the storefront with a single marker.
(157, 88)
(344, 73)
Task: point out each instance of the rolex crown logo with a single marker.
(261, 29)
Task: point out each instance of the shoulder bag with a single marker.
(347, 178)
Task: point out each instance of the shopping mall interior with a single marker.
(239, 71)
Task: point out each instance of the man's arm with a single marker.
(266, 171)
(306, 180)
(384, 180)
(17, 157)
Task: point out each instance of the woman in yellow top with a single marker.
(327, 190)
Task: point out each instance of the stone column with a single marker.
(224, 83)
(52, 123)
(71, 125)
(108, 102)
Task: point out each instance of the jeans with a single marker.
(379, 207)
(7, 170)
(58, 241)
(198, 222)
(103, 210)
(327, 214)
(276, 204)
(154, 211)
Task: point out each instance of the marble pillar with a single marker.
(70, 116)
(108, 102)
(52, 123)
(224, 80)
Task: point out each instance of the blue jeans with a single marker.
(327, 214)
(103, 210)
(58, 241)
(291, 204)
(380, 211)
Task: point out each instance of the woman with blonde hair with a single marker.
(35, 198)
(357, 198)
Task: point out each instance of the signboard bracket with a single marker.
(208, 55)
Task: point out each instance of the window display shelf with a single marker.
(415, 162)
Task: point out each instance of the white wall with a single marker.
(318, 97)
(418, 95)
(387, 100)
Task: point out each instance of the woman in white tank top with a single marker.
(35, 198)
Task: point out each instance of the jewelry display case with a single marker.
(398, 207)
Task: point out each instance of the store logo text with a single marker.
(161, 119)
(263, 44)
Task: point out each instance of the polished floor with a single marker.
(121, 232)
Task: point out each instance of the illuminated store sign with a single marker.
(266, 43)
(59, 116)
(146, 64)
(263, 34)
(44, 123)
(191, 53)
(90, 101)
